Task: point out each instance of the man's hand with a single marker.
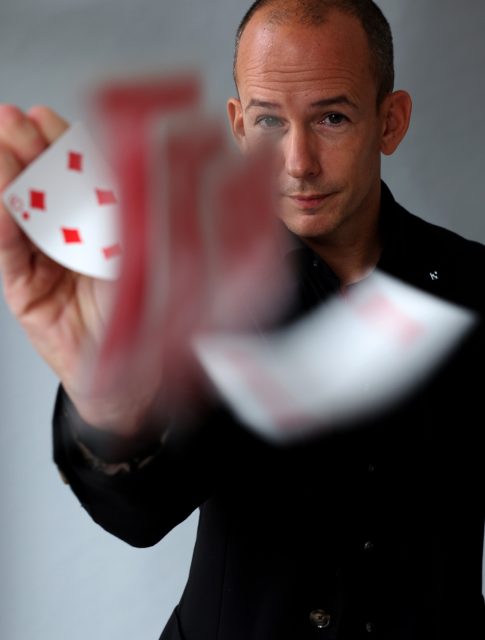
(63, 313)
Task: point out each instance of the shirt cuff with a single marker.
(105, 451)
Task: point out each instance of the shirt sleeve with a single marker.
(139, 490)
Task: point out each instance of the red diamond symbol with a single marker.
(113, 251)
(37, 199)
(75, 161)
(71, 236)
(26, 215)
(105, 197)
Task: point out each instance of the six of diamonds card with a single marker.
(66, 202)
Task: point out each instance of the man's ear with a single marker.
(396, 110)
(234, 111)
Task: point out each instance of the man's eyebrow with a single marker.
(328, 102)
(325, 102)
(262, 104)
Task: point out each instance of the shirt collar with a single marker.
(391, 236)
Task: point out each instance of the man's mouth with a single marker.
(308, 200)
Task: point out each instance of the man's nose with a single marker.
(301, 156)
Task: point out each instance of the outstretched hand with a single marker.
(62, 312)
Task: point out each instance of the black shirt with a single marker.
(370, 532)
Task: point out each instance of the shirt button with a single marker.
(369, 545)
(320, 619)
(369, 627)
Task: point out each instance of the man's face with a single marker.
(310, 91)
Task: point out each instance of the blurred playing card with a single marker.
(66, 201)
(198, 228)
(249, 282)
(182, 150)
(168, 238)
(208, 238)
(349, 359)
(125, 110)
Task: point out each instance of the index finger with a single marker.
(15, 250)
(50, 124)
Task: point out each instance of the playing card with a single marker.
(245, 242)
(198, 226)
(170, 240)
(350, 359)
(127, 110)
(67, 203)
(124, 110)
(183, 147)
(206, 236)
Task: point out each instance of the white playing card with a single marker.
(349, 359)
(66, 203)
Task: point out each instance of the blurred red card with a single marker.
(125, 111)
(348, 361)
(246, 243)
(200, 233)
(176, 277)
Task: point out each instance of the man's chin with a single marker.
(308, 225)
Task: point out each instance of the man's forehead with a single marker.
(292, 47)
(327, 59)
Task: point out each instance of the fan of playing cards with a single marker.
(187, 231)
(163, 206)
(200, 237)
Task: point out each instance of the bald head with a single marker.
(314, 13)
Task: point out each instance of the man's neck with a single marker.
(351, 259)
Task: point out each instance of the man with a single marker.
(372, 532)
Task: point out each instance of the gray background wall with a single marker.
(61, 576)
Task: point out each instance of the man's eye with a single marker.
(268, 122)
(335, 119)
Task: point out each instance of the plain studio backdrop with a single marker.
(62, 576)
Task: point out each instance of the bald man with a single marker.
(376, 531)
